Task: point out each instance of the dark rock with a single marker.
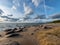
(13, 35)
(47, 27)
(14, 43)
(32, 33)
(10, 32)
(15, 29)
(19, 30)
(41, 25)
(0, 35)
(36, 30)
(7, 30)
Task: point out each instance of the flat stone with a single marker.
(13, 35)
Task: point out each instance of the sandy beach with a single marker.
(33, 35)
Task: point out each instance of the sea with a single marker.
(4, 26)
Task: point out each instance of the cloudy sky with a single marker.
(27, 10)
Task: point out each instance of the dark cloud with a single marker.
(10, 15)
(9, 18)
(26, 17)
(30, 13)
(40, 17)
(55, 16)
(1, 11)
(35, 17)
(14, 19)
(5, 17)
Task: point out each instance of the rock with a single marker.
(47, 27)
(15, 29)
(21, 30)
(36, 30)
(13, 35)
(7, 30)
(10, 32)
(14, 43)
(41, 25)
(22, 27)
(0, 35)
(32, 33)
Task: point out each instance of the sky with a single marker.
(29, 10)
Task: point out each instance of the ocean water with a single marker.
(4, 26)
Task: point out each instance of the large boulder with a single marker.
(12, 35)
(47, 27)
(21, 29)
(0, 35)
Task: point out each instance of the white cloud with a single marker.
(40, 17)
(36, 2)
(1, 12)
(55, 16)
(27, 9)
(9, 19)
(5, 10)
(16, 4)
(48, 7)
(14, 7)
